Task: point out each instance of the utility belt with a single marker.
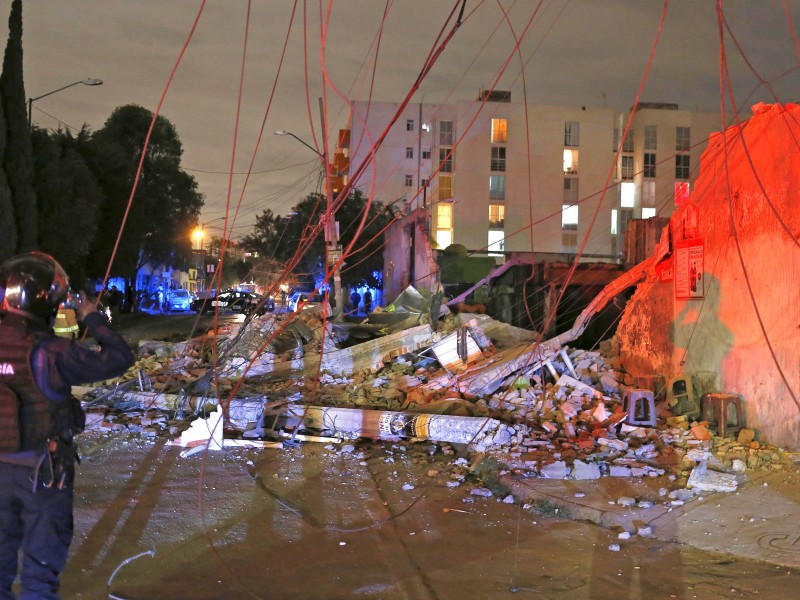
(56, 467)
(57, 453)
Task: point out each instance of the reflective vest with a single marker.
(27, 418)
(66, 324)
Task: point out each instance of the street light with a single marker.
(197, 237)
(333, 249)
(314, 150)
(88, 81)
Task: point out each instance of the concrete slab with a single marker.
(761, 520)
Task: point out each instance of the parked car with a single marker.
(180, 300)
(264, 305)
(307, 299)
(227, 301)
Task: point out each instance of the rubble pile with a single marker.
(540, 409)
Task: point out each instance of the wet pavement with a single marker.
(396, 521)
(407, 521)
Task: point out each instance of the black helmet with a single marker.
(34, 283)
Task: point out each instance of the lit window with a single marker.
(497, 216)
(681, 192)
(445, 187)
(426, 127)
(570, 161)
(497, 242)
(650, 139)
(572, 130)
(682, 166)
(410, 125)
(444, 225)
(446, 160)
(649, 164)
(569, 217)
(409, 152)
(444, 216)
(570, 191)
(614, 218)
(569, 226)
(444, 237)
(627, 194)
(497, 187)
(409, 180)
(683, 138)
(445, 133)
(498, 158)
(499, 131)
(648, 212)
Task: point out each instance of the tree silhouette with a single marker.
(17, 158)
(166, 204)
(68, 196)
(279, 238)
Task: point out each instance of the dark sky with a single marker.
(584, 52)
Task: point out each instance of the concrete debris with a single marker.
(538, 408)
(701, 478)
(204, 432)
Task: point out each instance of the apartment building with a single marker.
(505, 178)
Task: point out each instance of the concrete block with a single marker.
(582, 470)
(556, 470)
(701, 478)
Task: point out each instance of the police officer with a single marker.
(38, 418)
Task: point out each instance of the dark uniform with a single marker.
(37, 453)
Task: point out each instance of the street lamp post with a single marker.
(333, 250)
(197, 237)
(88, 81)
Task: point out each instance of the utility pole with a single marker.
(333, 250)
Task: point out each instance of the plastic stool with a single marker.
(681, 398)
(724, 413)
(641, 408)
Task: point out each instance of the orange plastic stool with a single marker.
(723, 412)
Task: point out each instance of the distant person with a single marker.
(112, 299)
(355, 300)
(129, 299)
(160, 299)
(367, 302)
(39, 418)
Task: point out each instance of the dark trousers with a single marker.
(40, 524)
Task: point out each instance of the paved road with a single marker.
(380, 522)
(172, 327)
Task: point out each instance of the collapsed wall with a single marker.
(723, 303)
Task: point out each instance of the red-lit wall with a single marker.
(746, 328)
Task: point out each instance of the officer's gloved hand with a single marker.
(83, 306)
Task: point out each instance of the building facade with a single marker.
(500, 177)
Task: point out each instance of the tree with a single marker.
(8, 223)
(277, 237)
(68, 198)
(17, 158)
(165, 206)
